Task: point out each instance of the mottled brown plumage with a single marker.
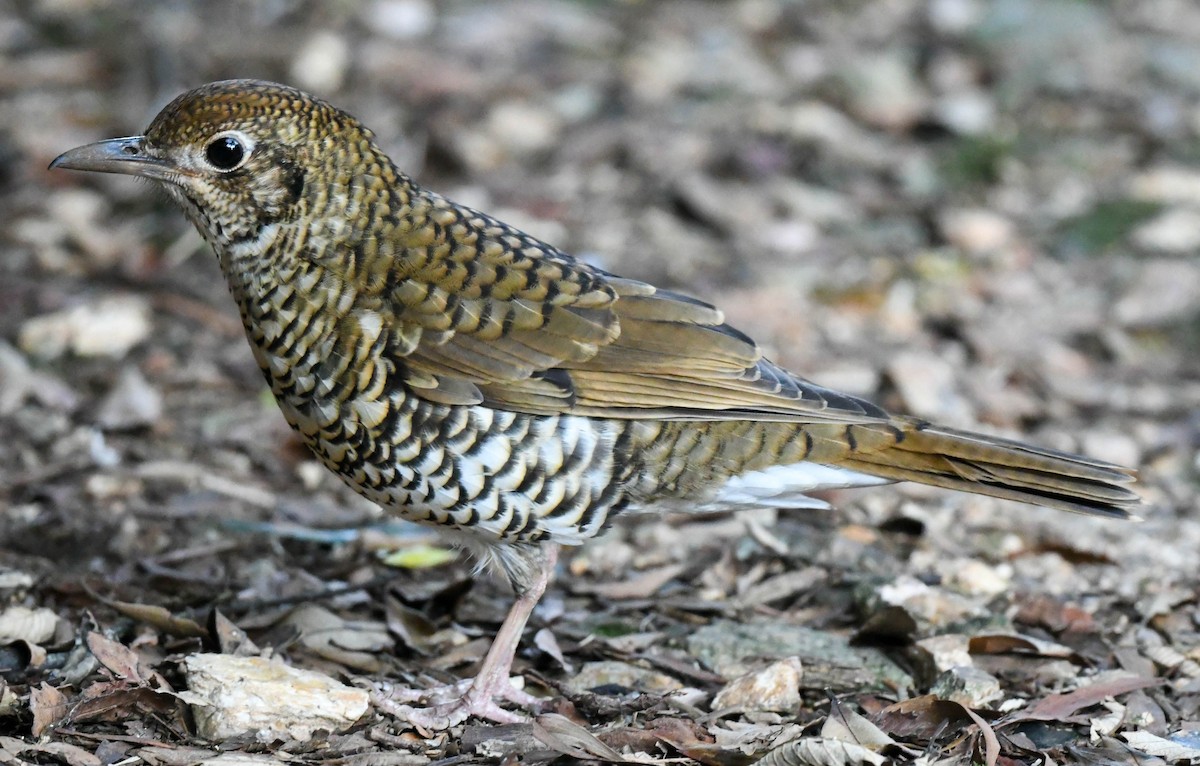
(464, 374)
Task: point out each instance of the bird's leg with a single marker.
(477, 697)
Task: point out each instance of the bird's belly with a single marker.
(497, 474)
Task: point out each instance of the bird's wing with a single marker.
(486, 314)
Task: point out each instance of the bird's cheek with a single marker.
(277, 199)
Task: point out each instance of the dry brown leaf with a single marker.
(848, 725)
(1161, 747)
(564, 736)
(920, 717)
(352, 643)
(1049, 612)
(544, 639)
(782, 586)
(173, 756)
(161, 618)
(818, 751)
(230, 638)
(70, 754)
(410, 625)
(991, 745)
(115, 656)
(1060, 707)
(49, 706)
(927, 717)
(1013, 643)
(689, 738)
(116, 701)
(644, 585)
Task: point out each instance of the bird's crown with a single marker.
(256, 107)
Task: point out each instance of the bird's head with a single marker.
(239, 155)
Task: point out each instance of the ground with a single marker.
(981, 213)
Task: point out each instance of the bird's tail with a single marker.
(912, 450)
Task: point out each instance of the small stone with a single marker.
(234, 696)
(322, 62)
(775, 688)
(1112, 446)
(524, 128)
(1168, 184)
(734, 649)
(131, 403)
(311, 474)
(928, 387)
(110, 327)
(975, 578)
(16, 379)
(1166, 291)
(933, 606)
(401, 19)
(820, 123)
(613, 673)
(814, 204)
(793, 237)
(969, 686)
(954, 16)
(1174, 231)
(884, 90)
(976, 230)
(968, 112)
(14, 580)
(942, 652)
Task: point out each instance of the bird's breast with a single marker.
(334, 368)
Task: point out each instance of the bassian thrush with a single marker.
(466, 375)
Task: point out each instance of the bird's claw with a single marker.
(450, 705)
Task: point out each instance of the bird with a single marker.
(466, 375)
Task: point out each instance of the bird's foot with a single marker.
(444, 706)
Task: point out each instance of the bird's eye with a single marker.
(226, 152)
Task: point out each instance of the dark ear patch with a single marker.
(293, 180)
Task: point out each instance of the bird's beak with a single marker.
(117, 155)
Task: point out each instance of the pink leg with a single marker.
(492, 682)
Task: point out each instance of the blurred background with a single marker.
(983, 213)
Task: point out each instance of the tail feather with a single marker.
(1003, 468)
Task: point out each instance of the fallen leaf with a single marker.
(544, 639)
(70, 754)
(34, 626)
(1060, 707)
(117, 701)
(644, 585)
(991, 745)
(411, 626)
(419, 556)
(161, 618)
(115, 656)
(230, 638)
(848, 725)
(920, 717)
(1151, 744)
(1013, 643)
(782, 586)
(49, 706)
(564, 736)
(818, 751)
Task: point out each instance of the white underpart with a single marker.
(785, 486)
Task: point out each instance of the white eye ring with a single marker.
(228, 150)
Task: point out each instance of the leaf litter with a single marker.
(861, 208)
